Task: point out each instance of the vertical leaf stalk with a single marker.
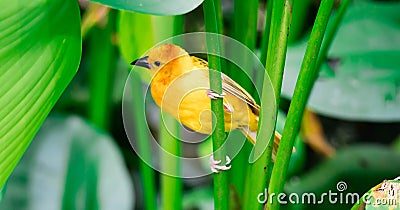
(245, 31)
(302, 90)
(143, 140)
(300, 16)
(331, 32)
(280, 24)
(102, 59)
(265, 37)
(171, 186)
(212, 19)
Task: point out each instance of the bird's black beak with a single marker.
(143, 62)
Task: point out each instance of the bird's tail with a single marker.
(251, 136)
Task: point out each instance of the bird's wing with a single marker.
(230, 86)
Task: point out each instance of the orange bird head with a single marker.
(158, 56)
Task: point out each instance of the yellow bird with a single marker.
(180, 86)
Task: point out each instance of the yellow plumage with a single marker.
(179, 86)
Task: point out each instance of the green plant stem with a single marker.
(302, 91)
(264, 42)
(143, 141)
(212, 22)
(245, 31)
(280, 24)
(276, 53)
(245, 22)
(265, 37)
(102, 59)
(238, 173)
(331, 32)
(219, 20)
(171, 186)
(299, 19)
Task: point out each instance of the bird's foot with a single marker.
(213, 95)
(216, 168)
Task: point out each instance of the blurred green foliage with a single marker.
(359, 166)
(70, 165)
(360, 79)
(73, 164)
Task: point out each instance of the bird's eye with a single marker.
(157, 63)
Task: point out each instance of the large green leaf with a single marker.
(40, 49)
(366, 35)
(365, 87)
(72, 165)
(361, 80)
(155, 7)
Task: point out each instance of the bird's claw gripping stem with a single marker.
(213, 95)
(216, 168)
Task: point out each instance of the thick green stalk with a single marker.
(212, 23)
(171, 187)
(245, 22)
(264, 42)
(238, 172)
(245, 31)
(265, 37)
(331, 32)
(143, 141)
(102, 59)
(300, 15)
(280, 24)
(299, 100)
(276, 54)
(218, 12)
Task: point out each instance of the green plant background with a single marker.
(80, 157)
